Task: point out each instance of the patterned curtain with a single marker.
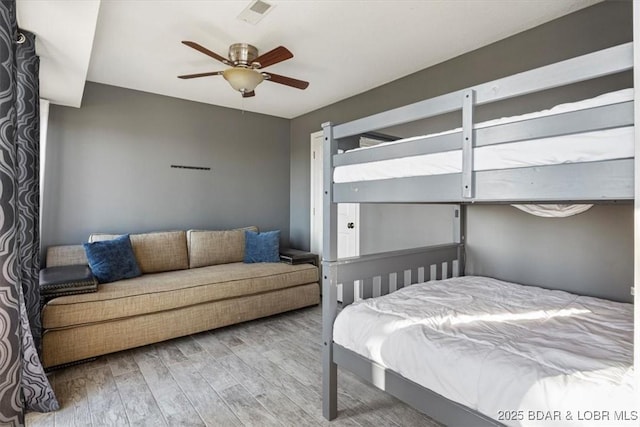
(23, 384)
(28, 155)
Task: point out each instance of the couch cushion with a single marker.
(212, 247)
(164, 251)
(155, 252)
(174, 289)
(70, 344)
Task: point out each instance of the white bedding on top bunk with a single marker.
(496, 346)
(589, 146)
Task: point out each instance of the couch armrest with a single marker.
(66, 255)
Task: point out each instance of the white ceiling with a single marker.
(64, 32)
(341, 47)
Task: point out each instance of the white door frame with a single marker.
(315, 211)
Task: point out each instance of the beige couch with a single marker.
(192, 281)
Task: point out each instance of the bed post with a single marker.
(329, 277)
(468, 193)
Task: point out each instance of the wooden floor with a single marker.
(260, 373)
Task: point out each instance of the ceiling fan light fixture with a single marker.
(243, 79)
(246, 67)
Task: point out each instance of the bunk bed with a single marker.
(491, 162)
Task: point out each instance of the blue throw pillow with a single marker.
(261, 247)
(112, 260)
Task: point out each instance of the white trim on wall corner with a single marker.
(636, 252)
(44, 126)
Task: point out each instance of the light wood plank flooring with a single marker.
(261, 373)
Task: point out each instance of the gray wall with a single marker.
(600, 26)
(589, 254)
(390, 227)
(108, 167)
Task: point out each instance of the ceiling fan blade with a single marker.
(193, 76)
(287, 81)
(206, 51)
(274, 56)
(249, 94)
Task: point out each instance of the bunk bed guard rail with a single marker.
(370, 276)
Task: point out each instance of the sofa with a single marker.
(191, 281)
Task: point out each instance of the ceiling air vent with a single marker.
(254, 13)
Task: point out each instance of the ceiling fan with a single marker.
(244, 74)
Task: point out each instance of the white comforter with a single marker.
(495, 347)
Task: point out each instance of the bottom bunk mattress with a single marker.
(519, 354)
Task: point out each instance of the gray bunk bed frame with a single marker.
(380, 274)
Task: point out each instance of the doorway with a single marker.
(348, 213)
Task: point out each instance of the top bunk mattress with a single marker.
(610, 144)
(496, 346)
